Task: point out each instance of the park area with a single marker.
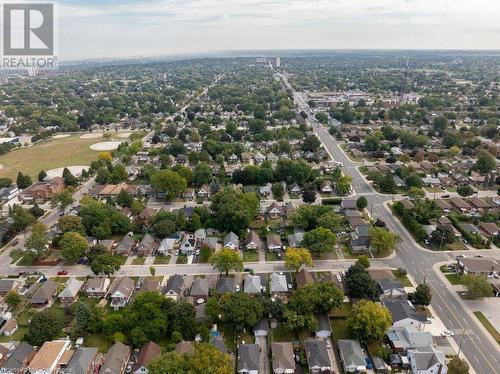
(50, 154)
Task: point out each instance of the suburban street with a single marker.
(477, 345)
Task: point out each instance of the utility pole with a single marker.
(461, 342)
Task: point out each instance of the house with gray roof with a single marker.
(147, 246)
(351, 355)
(232, 241)
(427, 360)
(248, 359)
(390, 288)
(408, 337)
(7, 285)
(199, 288)
(226, 284)
(70, 293)
(83, 361)
(45, 294)
(116, 359)
(282, 357)
(261, 328)
(324, 328)
(403, 313)
(126, 244)
(120, 292)
(318, 358)
(278, 284)
(175, 287)
(19, 359)
(252, 284)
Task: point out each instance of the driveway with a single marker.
(264, 366)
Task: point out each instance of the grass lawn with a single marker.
(99, 341)
(403, 279)
(250, 256)
(162, 260)
(47, 156)
(454, 279)
(229, 334)
(281, 334)
(343, 312)
(17, 336)
(491, 329)
(271, 256)
(138, 261)
(182, 259)
(340, 329)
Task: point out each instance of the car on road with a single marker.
(15, 242)
(446, 333)
(237, 288)
(247, 270)
(445, 196)
(62, 272)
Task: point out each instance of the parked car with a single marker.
(446, 333)
(15, 242)
(62, 272)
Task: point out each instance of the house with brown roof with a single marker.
(46, 360)
(184, 347)
(460, 204)
(9, 328)
(253, 242)
(274, 211)
(97, 287)
(303, 278)
(116, 360)
(43, 191)
(477, 265)
(148, 353)
(147, 246)
(490, 229)
(273, 242)
(45, 294)
(479, 204)
(120, 292)
(447, 208)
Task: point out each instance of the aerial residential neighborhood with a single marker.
(250, 211)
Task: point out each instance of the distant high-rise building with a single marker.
(278, 62)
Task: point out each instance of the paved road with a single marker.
(479, 348)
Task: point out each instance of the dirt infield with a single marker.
(105, 146)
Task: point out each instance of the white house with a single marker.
(427, 360)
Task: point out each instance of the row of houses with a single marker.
(58, 356)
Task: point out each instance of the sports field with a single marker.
(51, 154)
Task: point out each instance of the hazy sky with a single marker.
(118, 28)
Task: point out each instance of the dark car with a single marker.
(62, 272)
(15, 242)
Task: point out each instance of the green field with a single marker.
(51, 154)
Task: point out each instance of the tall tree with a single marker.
(226, 260)
(295, 258)
(168, 182)
(383, 240)
(369, 321)
(358, 282)
(422, 295)
(23, 181)
(73, 246)
(319, 240)
(478, 286)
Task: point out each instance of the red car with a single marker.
(62, 272)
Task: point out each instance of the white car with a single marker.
(237, 288)
(446, 333)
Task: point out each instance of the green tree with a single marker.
(457, 366)
(105, 263)
(465, 190)
(168, 182)
(73, 246)
(363, 261)
(38, 239)
(202, 174)
(71, 223)
(319, 240)
(295, 258)
(240, 310)
(278, 191)
(125, 199)
(330, 220)
(69, 178)
(344, 185)
(361, 202)
(42, 175)
(358, 282)
(422, 295)
(478, 286)
(442, 235)
(307, 216)
(382, 240)
(316, 298)
(415, 193)
(63, 199)
(369, 321)
(485, 162)
(44, 326)
(387, 184)
(233, 210)
(13, 299)
(440, 124)
(226, 260)
(23, 181)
